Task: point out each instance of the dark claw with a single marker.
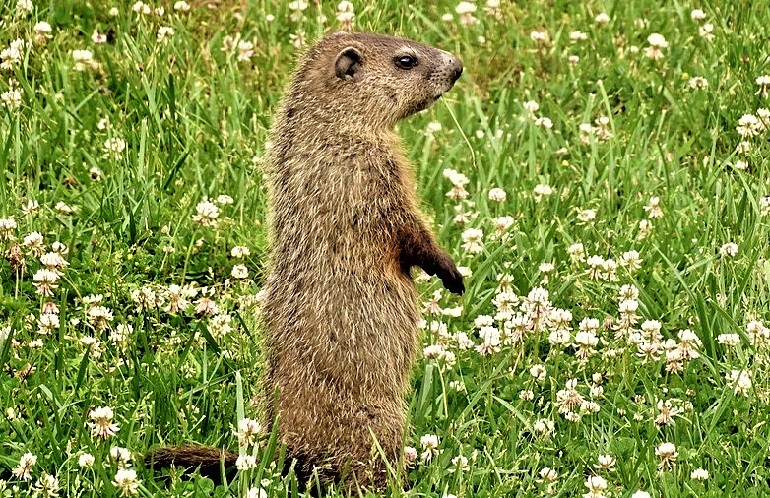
(454, 284)
(450, 276)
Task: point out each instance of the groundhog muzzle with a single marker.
(340, 310)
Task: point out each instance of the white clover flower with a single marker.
(497, 194)
(245, 52)
(657, 40)
(12, 98)
(641, 494)
(12, 55)
(653, 208)
(764, 84)
(181, 6)
(248, 431)
(697, 15)
(42, 27)
(86, 461)
(54, 261)
(576, 251)
(141, 8)
(596, 485)
(24, 7)
(239, 252)
(207, 213)
(410, 456)
(602, 19)
(164, 33)
(698, 83)
(114, 146)
(759, 335)
(465, 8)
(546, 267)
(739, 381)
(219, 326)
(748, 126)
(127, 482)
(501, 225)
(8, 228)
(433, 351)
(732, 340)
(99, 317)
(587, 215)
(699, 474)
(239, 272)
(206, 306)
(456, 178)
(632, 261)
(84, 60)
(44, 281)
(298, 5)
(547, 474)
(47, 486)
(538, 372)
(568, 399)
(657, 44)
(544, 122)
(460, 463)
(764, 205)
(729, 250)
(707, 31)
(490, 341)
(256, 493)
(542, 190)
(539, 37)
(24, 470)
(346, 13)
(543, 426)
(246, 462)
(605, 462)
(429, 444)
(473, 240)
(121, 456)
(30, 207)
(531, 106)
(667, 454)
(47, 322)
(101, 423)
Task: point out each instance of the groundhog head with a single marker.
(373, 79)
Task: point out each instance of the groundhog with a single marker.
(340, 308)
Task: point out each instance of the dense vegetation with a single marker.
(600, 172)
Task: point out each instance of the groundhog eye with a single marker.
(406, 61)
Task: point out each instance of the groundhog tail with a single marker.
(206, 458)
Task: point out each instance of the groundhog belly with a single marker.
(358, 330)
(341, 362)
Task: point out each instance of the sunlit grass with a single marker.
(603, 188)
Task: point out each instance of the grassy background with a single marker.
(194, 120)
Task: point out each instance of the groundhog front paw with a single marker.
(449, 274)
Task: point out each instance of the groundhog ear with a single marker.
(348, 63)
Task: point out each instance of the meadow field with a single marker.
(600, 172)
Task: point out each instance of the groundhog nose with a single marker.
(457, 70)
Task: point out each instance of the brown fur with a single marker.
(340, 309)
(209, 460)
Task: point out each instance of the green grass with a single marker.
(194, 120)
